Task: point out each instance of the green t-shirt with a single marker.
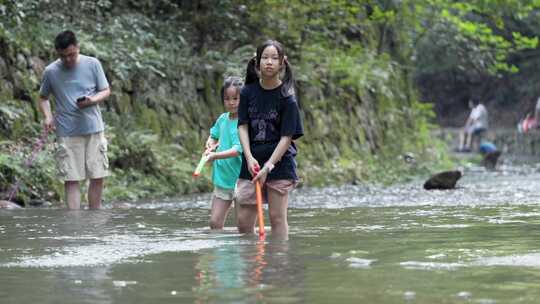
(225, 172)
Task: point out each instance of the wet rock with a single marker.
(21, 62)
(3, 69)
(37, 65)
(6, 87)
(39, 203)
(8, 205)
(122, 205)
(409, 158)
(443, 180)
(409, 295)
(20, 91)
(490, 159)
(464, 295)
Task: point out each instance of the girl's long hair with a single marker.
(254, 65)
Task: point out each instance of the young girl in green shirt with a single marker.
(226, 158)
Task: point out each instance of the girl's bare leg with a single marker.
(218, 214)
(246, 217)
(278, 204)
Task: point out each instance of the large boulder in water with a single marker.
(8, 205)
(443, 180)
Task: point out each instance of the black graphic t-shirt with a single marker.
(269, 116)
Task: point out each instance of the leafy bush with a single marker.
(35, 180)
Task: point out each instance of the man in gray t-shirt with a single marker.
(78, 85)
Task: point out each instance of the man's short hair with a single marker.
(64, 40)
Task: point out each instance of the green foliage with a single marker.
(379, 103)
(473, 34)
(166, 61)
(9, 113)
(14, 120)
(36, 180)
(144, 166)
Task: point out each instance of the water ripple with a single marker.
(113, 250)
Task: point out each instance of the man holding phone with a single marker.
(78, 85)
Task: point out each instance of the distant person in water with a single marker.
(527, 123)
(487, 147)
(490, 154)
(476, 125)
(531, 120)
(536, 122)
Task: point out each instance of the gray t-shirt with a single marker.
(66, 85)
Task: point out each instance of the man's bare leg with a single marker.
(95, 189)
(73, 195)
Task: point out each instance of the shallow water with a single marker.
(354, 244)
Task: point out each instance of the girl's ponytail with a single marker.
(288, 80)
(251, 71)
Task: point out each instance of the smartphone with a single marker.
(81, 99)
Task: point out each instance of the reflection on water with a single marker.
(88, 284)
(262, 270)
(347, 244)
(220, 273)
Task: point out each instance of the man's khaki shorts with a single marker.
(82, 157)
(245, 190)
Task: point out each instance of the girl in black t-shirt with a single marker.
(268, 122)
